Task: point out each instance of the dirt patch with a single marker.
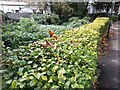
(104, 44)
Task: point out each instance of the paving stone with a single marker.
(110, 72)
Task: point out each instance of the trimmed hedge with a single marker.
(72, 64)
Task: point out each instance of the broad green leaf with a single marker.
(31, 77)
(43, 73)
(61, 81)
(11, 73)
(20, 71)
(33, 82)
(88, 76)
(61, 72)
(22, 85)
(8, 82)
(49, 73)
(47, 85)
(37, 88)
(44, 60)
(28, 66)
(67, 84)
(54, 78)
(44, 78)
(75, 85)
(14, 84)
(81, 86)
(38, 75)
(22, 63)
(55, 68)
(35, 66)
(6, 76)
(30, 62)
(39, 68)
(73, 79)
(54, 87)
(26, 73)
(76, 63)
(22, 79)
(39, 84)
(50, 80)
(35, 57)
(48, 65)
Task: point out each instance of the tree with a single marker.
(80, 9)
(63, 9)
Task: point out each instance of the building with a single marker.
(10, 6)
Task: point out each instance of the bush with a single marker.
(76, 22)
(73, 19)
(27, 30)
(4, 16)
(15, 34)
(47, 19)
(114, 18)
(71, 64)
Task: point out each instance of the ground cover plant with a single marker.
(28, 30)
(70, 63)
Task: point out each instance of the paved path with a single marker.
(109, 64)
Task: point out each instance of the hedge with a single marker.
(27, 30)
(72, 63)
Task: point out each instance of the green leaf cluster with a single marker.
(72, 64)
(28, 30)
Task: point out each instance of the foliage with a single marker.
(73, 19)
(4, 16)
(80, 9)
(69, 9)
(103, 5)
(71, 64)
(76, 22)
(114, 18)
(27, 31)
(15, 34)
(47, 19)
(63, 9)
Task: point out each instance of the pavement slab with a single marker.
(109, 64)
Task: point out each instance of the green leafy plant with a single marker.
(75, 22)
(72, 63)
(73, 19)
(47, 19)
(114, 18)
(28, 30)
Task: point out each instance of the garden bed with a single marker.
(28, 30)
(71, 63)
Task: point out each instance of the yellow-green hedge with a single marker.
(73, 64)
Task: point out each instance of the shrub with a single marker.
(114, 18)
(71, 64)
(47, 19)
(73, 19)
(27, 31)
(75, 22)
(15, 34)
